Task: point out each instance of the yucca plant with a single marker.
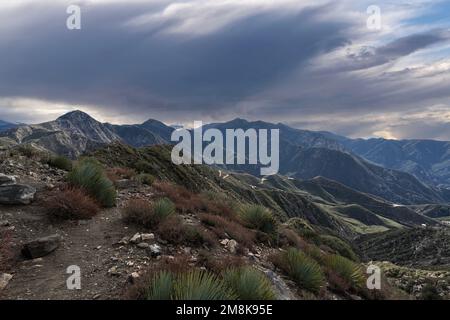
(348, 270)
(247, 283)
(258, 217)
(162, 209)
(189, 285)
(89, 175)
(306, 272)
(161, 287)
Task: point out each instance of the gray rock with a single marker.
(143, 245)
(41, 247)
(6, 180)
(232, 246)
(4, 280)
(155, 250)
(136, 238)
(16, 194)
(147, 236)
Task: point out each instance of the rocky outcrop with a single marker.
(16, 194)
(41, 247)
(6, 180)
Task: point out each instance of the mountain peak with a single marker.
(76, 115)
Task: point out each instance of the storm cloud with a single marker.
(313, 64)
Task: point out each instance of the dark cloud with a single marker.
(259, 66)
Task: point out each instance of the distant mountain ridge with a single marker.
(308, 154)
(77, 132)
(388, 173)
(4, 125)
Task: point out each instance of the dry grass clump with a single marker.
(175, 231)
(149, 215)
(225, 228)
(71, 204)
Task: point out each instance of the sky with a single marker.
(312, 64)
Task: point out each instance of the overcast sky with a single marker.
(313, 64)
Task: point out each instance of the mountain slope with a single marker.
(305, 155)
(428, 160)
(323, 203)
(76, 132)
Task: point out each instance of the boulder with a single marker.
(232, 246)
(4, 280)
(41, 247)
(16, 194)
(6, 180)
(155, 250)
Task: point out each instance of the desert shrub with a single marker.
(185, 201)
(143, 166)
(290, 238)
(139, 212)
(71, 204)
(225, 228)
(302, 269)
(258, 217)
(146, 179)
(117, 173)
(89, 175)
(28, 151)
(248, 283)
(219, 204)
(218, 266)
(142, 212)
(60, 162)
(190, 285)
(176, 232)
(346, 269)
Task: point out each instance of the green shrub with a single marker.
(302, 269)
(346, 269)
(146, 179)
(190, 285)
(163, 208)
(200, 285)
(60, 162)
(258, 217)
(144, 213)
(161, 287)
(248, 283)
(89, 175)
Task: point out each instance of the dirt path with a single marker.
(91, 245)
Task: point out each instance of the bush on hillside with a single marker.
(71, 204)
(89, 175)
(60, 162)
(248, 283)
(303, 270)
(258, 217)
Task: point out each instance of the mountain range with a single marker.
(6, 125)
(401, 172)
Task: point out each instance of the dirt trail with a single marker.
(91, 245)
